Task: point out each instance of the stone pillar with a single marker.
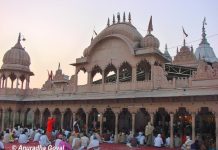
(117, 81)
(103, 80)
(6, 80)
(134, 77)
(27, 82)
(14, 114)
(216, 121)
(17, 83)
(3, 119)
(101, 122)
(152, 117)
(22, 117)
(62, 120)
(116, 128)
(87, 122)
(193, 126)
(33, 123)
(76, 80)
(72, 119)
(133, 123)
(41, 117)
(171, 130)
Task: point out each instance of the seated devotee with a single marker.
(23, 138)
(37, 136)
(129, 137)
(177, 141)
(43, 140)
(167, 144)
(195, 145)
(94, 144)
(65, 145)
(84, 140)
(98, 137)
(76, 145)
(122, 138)
(140, 138)
(158, 141)
(72, 136)
(2, 147)
(58, 140)
(187, 144)
(6, 138)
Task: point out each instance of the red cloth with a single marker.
(50, 124)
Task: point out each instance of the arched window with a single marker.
(125, 72)
(110, 73)
(82, 76)
(143, 71)
(96, 75)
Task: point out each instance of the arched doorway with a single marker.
(67, 119)
(205, 124)
(93, 121)
(46, 114)
(161, 122)
(28, 120)
(8, 120)
(37, 118)
(141, 120)
(125, 121)
(108, 121)
(81, 119)
(183, 122)
(57, 115)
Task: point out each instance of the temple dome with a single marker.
(16, 58)
(150, 41)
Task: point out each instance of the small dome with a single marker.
(184, 48)
(17, 55)
(151, 41)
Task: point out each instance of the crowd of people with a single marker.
(74, 140)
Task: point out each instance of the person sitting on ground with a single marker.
(167, 144)
(23, 139)
(58, 140)
(64, 145)
(187, 144)
(44, 141)
(6, 138)
(76, 145)
(177, 141)
(2, 147)
(141, 138)
(122, 138)
(84, 140)
(195, 145)
(37, 136)
(94, 144)
(158, 141)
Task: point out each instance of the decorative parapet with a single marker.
(205, 71)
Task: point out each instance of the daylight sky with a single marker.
(59, 30)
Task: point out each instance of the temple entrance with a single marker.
(67, 119)
(37, 118)
(93, 122)
(81, 120)
(57, 116)
(161, 122)
(108, 121)
(125, 121)
(183, 123)
(141, 120)
(46, 114)
(205, 125)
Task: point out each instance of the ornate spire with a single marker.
(124, 17)
(59, 66)
(113, 19)
(166, 53)
(184, 42)
(19, 38)
(118, 17)
(18, 44)
(166, 47)
(204, 40)
(108, 22)
(129, 17)
(150, 26)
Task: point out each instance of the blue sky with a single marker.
(59, 30)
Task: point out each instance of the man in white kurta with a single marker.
(37, 136)
(43, 141)
(158, 141)
(23, 139)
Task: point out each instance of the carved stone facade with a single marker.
(132, 90)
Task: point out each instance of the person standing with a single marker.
(149, 133)
(49, 129)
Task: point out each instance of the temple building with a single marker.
(130, 82)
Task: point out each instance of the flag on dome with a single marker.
(186, 35)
